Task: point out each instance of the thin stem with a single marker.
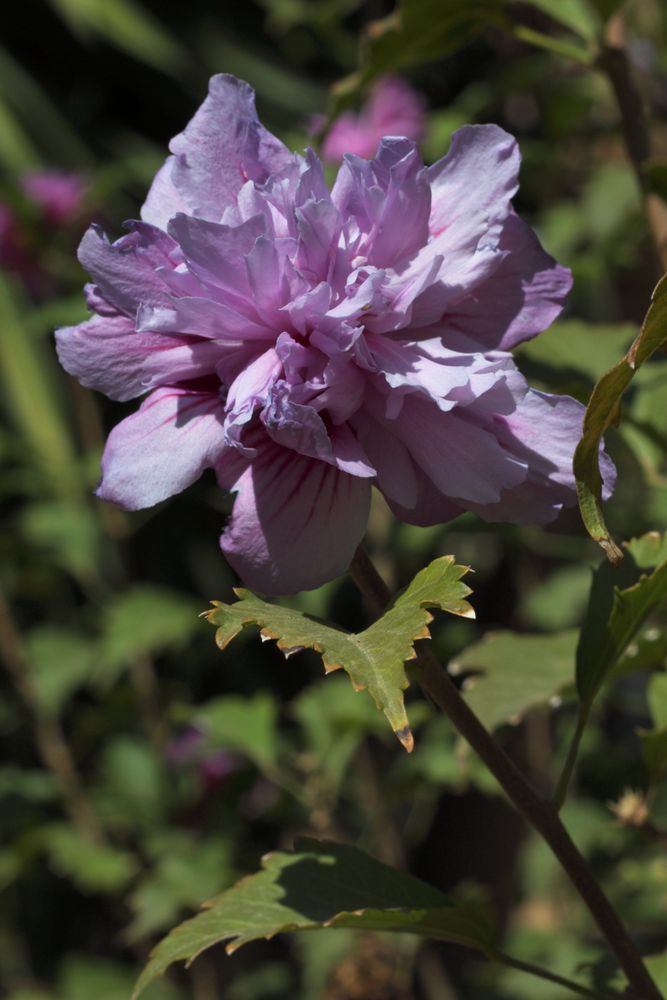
(542, 816)
(570, 761)
(551, 977)
(613, 61)
(51, 743)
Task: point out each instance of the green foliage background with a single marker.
(116, 822)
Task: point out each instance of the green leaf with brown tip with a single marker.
(375, 658)
(320, 885)
(603, 410)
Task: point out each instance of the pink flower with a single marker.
(394, 108)
(309, 344)
(58, 194)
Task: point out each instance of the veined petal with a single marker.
(107, 353)
(296, 522)
(465, 461)
(479, 174)
(162, 448)
(125, 271)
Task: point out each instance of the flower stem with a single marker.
(541, 814)
(570, 761)
(551, 977)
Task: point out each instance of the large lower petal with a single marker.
(222, 147)
(162, 448)
(106, 353)
(296, 522)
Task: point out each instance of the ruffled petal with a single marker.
(464, 460)
(106, 353)
(162, 448)
(478, 176)
(296, 522)
(222, 147)
(125, 272)
(527, 292)
(543, 432)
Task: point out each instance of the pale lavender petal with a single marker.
(464, 460)
(222, 147)
(162, 448)
(528, 291)
(402, 227)
(479, 175)
(543, 432)
(396, 472)
(107, 353)
(296, 522)
(125, 271)
(430, 507)
(301, 428)
(204, 318)
(216, 253)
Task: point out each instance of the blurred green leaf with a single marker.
(515, 673)
(91, 866)
(249, 725)
(419, 31)
(620, 602)
(322, 884)
(61, 661)
(35, 110)
(601, 412)
(655, 172)
(133, 789)
(35, 786)
(572, 346)
(27, 370)
(375, 658)
(84, 978)
(69, 531)
(577, 15)
(557, 602)
(188, 871)
(128, 26)
(145, 620)
(654, 741)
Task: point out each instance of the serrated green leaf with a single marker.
(620, 602)
(516, 673)
(321, 884)
(602, 410)
(374, 659)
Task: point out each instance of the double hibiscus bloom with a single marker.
(309, 344)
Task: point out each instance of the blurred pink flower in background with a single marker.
(59, 195)
(45, 204)
(393, 108)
